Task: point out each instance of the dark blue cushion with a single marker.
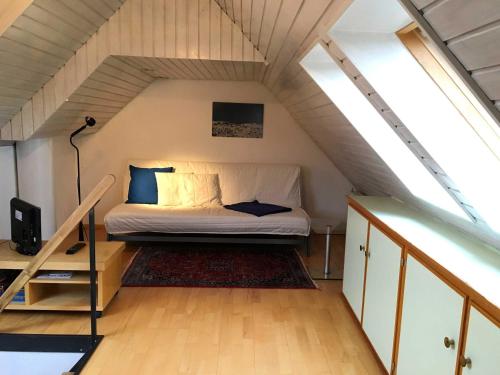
(256, 208)
(142, 187)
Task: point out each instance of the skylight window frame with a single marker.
(452, 59)
(449, 83)
(480, 212)
(398, 127)
(353, 74)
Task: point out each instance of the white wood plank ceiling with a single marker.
(40, 41)
(143, 40)
(471, 31)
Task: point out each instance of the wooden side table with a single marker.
(68, 294)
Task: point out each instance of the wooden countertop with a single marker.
(475, 263)
(105, 253)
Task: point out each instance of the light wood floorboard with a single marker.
(206, 331)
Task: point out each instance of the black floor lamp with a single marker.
(89, 121)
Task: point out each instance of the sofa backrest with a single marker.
(268, 183)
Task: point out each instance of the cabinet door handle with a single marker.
(361, 248)
(449, 343)
(465, 362)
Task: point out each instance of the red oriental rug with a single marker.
(218, 266)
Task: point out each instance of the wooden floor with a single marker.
(217, 331)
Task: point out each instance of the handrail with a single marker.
(64, 231)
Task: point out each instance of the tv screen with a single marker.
(26, 227)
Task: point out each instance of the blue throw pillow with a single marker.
(142, 187)
(256, 208)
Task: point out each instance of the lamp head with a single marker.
(89, 121)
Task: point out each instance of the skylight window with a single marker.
(430, 115)
(436, 66)
(375, 130)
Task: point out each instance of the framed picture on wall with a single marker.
(242, 120)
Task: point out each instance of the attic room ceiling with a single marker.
(40, 41)
(185, 39)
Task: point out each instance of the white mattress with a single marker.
(129, 218)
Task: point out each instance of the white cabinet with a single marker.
(421, 305)
(381, 293)
(354, 263)
(432, 312)
(482, 346)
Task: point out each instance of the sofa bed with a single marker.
(237, 182)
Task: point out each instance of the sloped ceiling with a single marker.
(189, 39)
(37, 39)
(471, 32)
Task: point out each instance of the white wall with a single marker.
(35, 178)
(171, 120)
(7, 188)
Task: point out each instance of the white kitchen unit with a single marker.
(354, 263)
(482, 346)
(381, 293)
(421, 288)
(430, 324)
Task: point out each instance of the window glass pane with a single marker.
(428, 113)
(375, 130)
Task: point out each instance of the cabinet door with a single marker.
(381, 293)
(482, 345)
(354, 263)
(431, 312)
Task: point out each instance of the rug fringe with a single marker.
(132, 258)
(304, 267)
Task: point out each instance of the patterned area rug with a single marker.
(218, 266)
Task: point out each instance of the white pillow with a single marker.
(174, 189)
(187, 189)
(206, 190)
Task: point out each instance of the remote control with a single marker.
(75, 248)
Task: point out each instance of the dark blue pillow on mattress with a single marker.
(142, 187)
(256, 208)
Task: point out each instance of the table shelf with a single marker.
(68, 294)
(76, 278)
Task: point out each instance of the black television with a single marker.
(26, 226)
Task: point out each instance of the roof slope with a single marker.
(37, 38)
(142, 41)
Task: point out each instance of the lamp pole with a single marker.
(89, 121)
